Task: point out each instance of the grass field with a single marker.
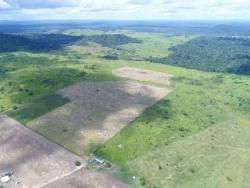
(200, 102)
(154, 45)
(196, 136)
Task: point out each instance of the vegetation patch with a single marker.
(37, 107)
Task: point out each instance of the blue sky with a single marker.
(125, 9)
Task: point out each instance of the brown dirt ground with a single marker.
(97, 112)
(39, 163)
(32, 158)
(88, 179)
(142, 75)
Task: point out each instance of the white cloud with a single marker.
(4, 5)
(37, 4)
(128, 9)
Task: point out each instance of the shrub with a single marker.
(143, 181)
(229, 179)
(192, 170)
(160, 167)
(78, 163)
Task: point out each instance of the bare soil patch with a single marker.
(33, 159)
(142, 75)
(88, 179)
(97, 112)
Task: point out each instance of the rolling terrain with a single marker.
(197, 135)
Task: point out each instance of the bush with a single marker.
(142, 181)
(229, 179)
(78, 163)
(159, 167)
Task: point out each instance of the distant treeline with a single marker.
(110, 40)
(215, 54)
(34, 43)
(50, 42)
(167, 27)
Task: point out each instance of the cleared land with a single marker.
(88, 179)
(142, 75)
(33, 159)
(39, 163)
(97, 112)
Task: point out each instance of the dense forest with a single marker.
(214, 54)
(50, 42)
(110, 40)
(35, 43)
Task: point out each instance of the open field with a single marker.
(220, 155)
(97, 112)
(154, 44)
(205, 117)
(142, 75)
(33, 159)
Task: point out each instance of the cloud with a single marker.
(4, 5)
(38, 4)
(140, 2)
(126, 9)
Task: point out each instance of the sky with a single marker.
(124, 9)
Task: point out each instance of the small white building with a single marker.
(99, 160)
(5, 179)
